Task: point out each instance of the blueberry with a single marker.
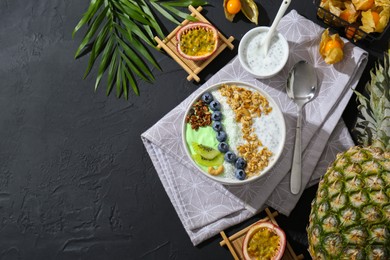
(223, 147)
(230, 157)
(216, 116)
(207, 97)
(215, 106)
(240, 163)
(221, 136)
(240, 174)
(217, 126)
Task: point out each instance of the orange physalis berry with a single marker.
(375, 17)
(345, 15)
(233, 6)
(332, 44)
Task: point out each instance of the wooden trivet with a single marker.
(234, 242)
(192, 67)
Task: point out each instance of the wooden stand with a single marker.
(234, 242)
(192, 67)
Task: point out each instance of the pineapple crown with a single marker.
(373, 123)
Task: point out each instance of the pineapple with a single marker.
(350, 216)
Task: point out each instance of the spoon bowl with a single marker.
(267, 40)
(301, 88)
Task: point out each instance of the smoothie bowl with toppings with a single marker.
(233, 132)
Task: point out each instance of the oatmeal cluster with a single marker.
(246, 106)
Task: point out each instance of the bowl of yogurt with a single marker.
(252, 58)
(233, 133)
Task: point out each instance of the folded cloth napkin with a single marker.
(206, 207)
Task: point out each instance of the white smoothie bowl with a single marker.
(252, 58)
(270, 129)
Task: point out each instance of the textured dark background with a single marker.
(75, 179)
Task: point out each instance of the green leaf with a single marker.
(91, 31)
(135, 60)
(153, 21)
(106, 57)
(133, 28)
(93, 7)
(98, 45)
(131, 66)
(185, 3)
(112, 71)
(179, 13)
(164, 12)
(118, 79)
(131, 13)
(132, 5)
(132, 82)
(139, 47)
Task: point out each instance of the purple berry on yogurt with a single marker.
(217, 126)
(216, 116)
(240, 163)
(223, 147)
(240, 174)
(207, 97)
(215, 105)
(230, 157)
(221, 136)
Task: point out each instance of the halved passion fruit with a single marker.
(264, 240)
(197, 41)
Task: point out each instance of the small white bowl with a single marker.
(252, 59)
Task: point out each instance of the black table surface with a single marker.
(75, 179)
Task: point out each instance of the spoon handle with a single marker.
(282, 9)
(296, 168)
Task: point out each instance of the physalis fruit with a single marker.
(331, 47)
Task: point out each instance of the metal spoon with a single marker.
(301, 88)
(267, 40)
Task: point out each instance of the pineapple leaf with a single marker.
(373, 122)
(119, 34)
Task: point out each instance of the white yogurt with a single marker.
(255, 58)
(252, 57)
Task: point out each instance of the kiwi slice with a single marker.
(216, 161)
(205, 151)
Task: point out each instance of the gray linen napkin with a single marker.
(205, 207)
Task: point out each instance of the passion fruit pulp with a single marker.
(197, 41)
(264, 240)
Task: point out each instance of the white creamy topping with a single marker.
(267, 128)
(256, 60)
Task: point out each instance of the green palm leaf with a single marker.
(121, 33)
